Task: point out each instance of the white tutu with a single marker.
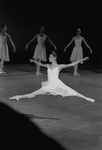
(55, 86)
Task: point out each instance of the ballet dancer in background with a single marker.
(77, 52)
(54, 85)
(4, 53)
(40, 50)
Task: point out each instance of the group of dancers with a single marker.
(40, 49)
(53, 85)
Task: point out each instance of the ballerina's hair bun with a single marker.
(54, 54)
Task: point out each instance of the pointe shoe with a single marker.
(90, 99)
(14, 98)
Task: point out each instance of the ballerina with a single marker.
(77, 52)
(40, 50)
(54, 85)
(4, 54)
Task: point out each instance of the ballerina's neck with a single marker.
(53, 67)
(41, 34)
(54, 64)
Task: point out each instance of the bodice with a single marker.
(53, 74)
(2, 40)
(78, 42)
(41, 40)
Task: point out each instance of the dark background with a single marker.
(60, 19)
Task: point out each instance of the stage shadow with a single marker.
(17, 131)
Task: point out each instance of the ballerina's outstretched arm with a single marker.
(40, 64)
(72, 64)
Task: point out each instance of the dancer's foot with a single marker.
(38, 73)
(15, 97)
(90, 99)
(2, 72)
(76, 74)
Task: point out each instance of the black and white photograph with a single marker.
(50, 75)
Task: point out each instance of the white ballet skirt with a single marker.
(4, 54)
(77, 52)
(55, 86)
(40, 50)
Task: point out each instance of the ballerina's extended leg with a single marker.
(86, 98)
(30, 95)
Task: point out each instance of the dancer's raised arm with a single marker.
(40, 64)
(72, 64)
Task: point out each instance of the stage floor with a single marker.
(72, 121)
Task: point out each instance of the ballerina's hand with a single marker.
(64, 50)
(90, 51)
(15, 97)
(31, 60)
(14, 49)
(26, 47)
(43, 83)
(86, 58)
(55, 48)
